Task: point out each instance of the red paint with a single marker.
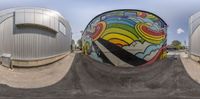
(98, 30)
(152, 32)
(156, 57)
(141, 14)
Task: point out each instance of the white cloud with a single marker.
(180, 31)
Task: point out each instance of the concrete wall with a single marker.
(125, 38)
(33, 33)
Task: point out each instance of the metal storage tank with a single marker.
(125, 38)
(194, 36)
(33, 36)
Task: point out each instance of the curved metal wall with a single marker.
(26, 37)
(195, 34)
(6, 31)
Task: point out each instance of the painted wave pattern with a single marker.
(123, 31)
(148, 51)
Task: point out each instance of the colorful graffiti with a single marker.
(125, 38)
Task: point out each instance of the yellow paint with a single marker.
(147, 37)
(117, 41)
(121, 31)
(119, 36)
(163, 55)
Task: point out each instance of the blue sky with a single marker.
(176, 13)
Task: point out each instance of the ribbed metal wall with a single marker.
(195, 34)
(6, 33)
(40, 44)
(27, 42)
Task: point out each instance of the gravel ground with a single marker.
(88, 79)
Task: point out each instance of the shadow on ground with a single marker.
(88, 79)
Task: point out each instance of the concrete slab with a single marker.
(192, 67)
(89, 79)
(36, 77)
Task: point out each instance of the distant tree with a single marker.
(177, 44)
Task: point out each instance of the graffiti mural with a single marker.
(125, 38)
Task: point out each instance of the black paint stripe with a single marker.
(101, 54)
(122, 54)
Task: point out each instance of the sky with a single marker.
(79, 13)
